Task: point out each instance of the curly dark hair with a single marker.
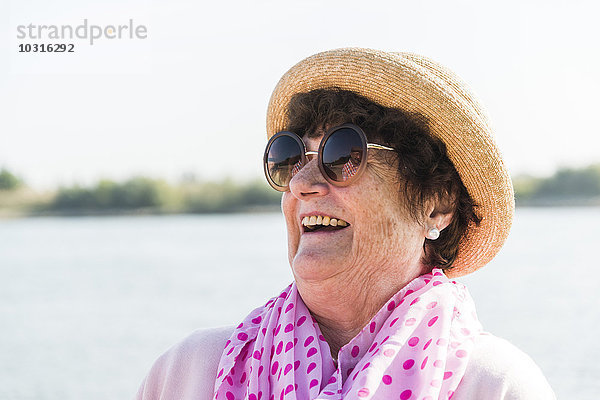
(423, 166)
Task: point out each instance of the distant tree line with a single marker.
(567, 186)
(157, 196)
(8, 181)
(105, 195)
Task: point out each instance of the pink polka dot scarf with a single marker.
(416, 347)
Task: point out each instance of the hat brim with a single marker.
(417, 84)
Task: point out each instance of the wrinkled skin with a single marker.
(345, 276)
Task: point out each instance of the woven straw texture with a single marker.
(418, 84)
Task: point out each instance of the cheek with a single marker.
(385, 217)
(387, 228)
(288, 207)
(293, 239)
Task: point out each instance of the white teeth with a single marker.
(320, 220)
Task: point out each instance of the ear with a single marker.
(436, 218)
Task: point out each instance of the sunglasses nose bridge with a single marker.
(311, 161)
(308, 181)
(311, 153)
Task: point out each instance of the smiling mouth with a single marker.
(314, 223)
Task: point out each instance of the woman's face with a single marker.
(381, 236)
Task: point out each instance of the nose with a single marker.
(309, 183)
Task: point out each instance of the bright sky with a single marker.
(192, 96)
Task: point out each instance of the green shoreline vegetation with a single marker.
(144, 195)
(137, 195)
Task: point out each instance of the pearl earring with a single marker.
(433, 233)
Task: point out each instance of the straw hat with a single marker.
(417, 84)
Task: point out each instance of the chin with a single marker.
(309, 265)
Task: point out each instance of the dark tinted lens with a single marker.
(342, 154)
(283, 160)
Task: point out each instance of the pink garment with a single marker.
(417, 346)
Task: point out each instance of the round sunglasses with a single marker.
(341, 157)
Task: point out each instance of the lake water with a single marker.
(87, 304)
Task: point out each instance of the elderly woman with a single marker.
(392, 186)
